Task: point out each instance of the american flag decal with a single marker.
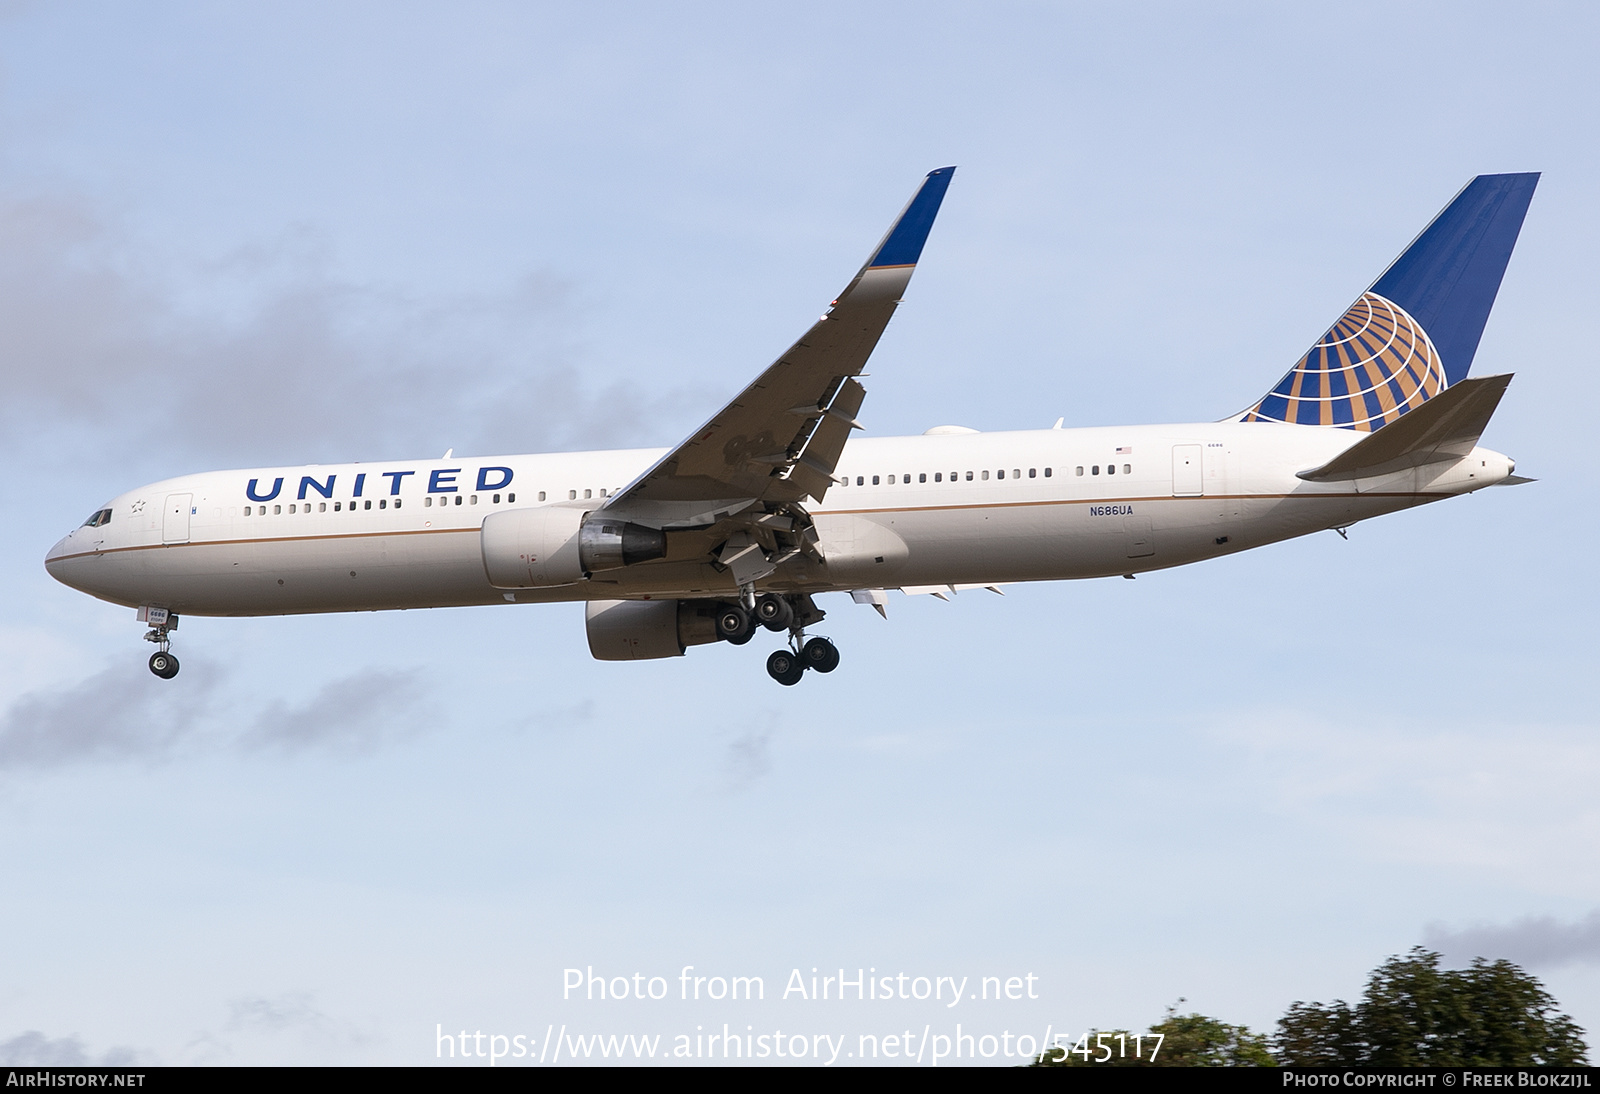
(1125, 451)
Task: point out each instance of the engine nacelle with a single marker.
(555, 545)
(642, 630)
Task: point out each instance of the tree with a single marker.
(1413, 1014)
(1185, 1040)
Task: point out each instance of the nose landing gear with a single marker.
(162, 662)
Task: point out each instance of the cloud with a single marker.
(355, 714)
(291, 1012)
(1533, 942)
(121, 713)
(267, 356)
(125, 714)
(34, 1049)
(748, 759)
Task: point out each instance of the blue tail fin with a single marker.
(1415, 331)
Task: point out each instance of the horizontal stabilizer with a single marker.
(1445, 428)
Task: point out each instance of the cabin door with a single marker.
(1186, 473)
(175, 521)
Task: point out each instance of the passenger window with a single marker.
(336, 506)
(368, 504)
(397, 503)
(322, 507)
(1047, 472)
(891, 480)
(1080, 469)
(1127, 469)
(1033, 472)
(572, 495)
(1016, 473)
(291, 508)
(860, 481)
(427, 503)
(969, 476)
(922, 476)
(1001, 473)
(277, 510)
(1095, 470)
(497, 499)
(588, 493)
(986, 476)
(247, 510)
(1111, 469)
(938, 476)
(475, 498)
(874, 480)
(905, 478)
(512, 498)
(458, 499)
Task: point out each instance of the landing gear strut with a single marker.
(162, 662)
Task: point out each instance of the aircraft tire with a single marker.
(734, 624)
(820, 654)
(773, 612)
(785, 668)
(164, 665)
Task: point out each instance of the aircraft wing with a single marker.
(779, 440)
(1446, 427)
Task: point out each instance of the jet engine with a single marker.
(641, 630)
(554, 545)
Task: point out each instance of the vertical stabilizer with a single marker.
(1415, 331)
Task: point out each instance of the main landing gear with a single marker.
(162, 662)
(736, 622)
(787, 666)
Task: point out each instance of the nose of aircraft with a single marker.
(63, 545)
(56, 560)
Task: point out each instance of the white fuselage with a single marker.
(932, 510)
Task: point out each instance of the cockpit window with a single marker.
(97, 519)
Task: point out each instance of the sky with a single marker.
(239, 236)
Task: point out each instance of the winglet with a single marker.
(902, 246)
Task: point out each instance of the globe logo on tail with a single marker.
(1375, 364)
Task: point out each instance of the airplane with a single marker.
(771, 502)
